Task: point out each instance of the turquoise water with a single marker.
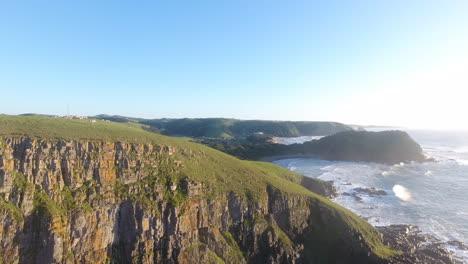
(433, 196)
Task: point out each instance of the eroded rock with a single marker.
(416, 246)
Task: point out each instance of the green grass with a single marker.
(9, 208)
(224, 135)
(282, 237)
(44, 205)
(233, 252)
(220, 172)
(213, 258)
(74, 129)
(20, 182)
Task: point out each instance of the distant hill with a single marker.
(389, 147)
(227, 128)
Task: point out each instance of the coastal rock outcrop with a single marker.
(370, 191)
(324, 188)
(390, 147)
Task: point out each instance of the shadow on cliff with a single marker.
(125, 234)
(36, 240)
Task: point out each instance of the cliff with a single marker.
(160, 200)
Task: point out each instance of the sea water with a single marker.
(295, 140)
(433, 195)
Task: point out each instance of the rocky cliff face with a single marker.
(105, 202)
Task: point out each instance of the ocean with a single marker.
(432, 196)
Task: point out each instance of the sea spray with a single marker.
(401, 192)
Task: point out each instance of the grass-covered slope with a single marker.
(220, 172)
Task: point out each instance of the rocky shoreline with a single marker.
(417, 247)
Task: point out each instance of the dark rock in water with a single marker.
(458, 244)
(370, 191)
(354, 195)
(415, 247)
(357, 198)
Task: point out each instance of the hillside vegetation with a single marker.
(227, 128)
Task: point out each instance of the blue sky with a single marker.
(368, 62)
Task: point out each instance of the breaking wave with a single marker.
(401, 192)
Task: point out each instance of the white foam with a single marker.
(328, 168)
(401, 192)
(462, 162)
(463, 213)
(428, 173)
(459, 254)
(386, 173)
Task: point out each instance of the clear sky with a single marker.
(398, 62)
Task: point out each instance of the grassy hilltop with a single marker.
(56, 128)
